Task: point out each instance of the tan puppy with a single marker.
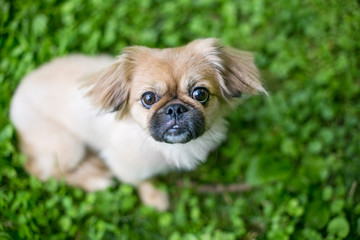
(144, 113)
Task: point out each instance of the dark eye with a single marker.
(200, 94)
(148, 99)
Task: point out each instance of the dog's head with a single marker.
(175, 93)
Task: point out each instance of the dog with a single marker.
(89, 119)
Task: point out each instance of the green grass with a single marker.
(299, 149)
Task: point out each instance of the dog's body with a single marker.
(117, 108)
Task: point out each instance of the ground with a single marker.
(290, 167)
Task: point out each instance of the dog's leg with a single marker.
(65, 158)
(153, 197)
(50, 149)
(91, 174)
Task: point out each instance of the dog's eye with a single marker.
(148, 99)
(201, 94)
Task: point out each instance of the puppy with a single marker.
(87, 119)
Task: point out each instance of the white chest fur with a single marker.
(133, 155)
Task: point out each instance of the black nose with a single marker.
(176, 110)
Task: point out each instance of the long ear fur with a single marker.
(238, 73)
(109, 88)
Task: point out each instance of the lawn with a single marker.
(293, 157)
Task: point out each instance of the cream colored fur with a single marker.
(68, 134)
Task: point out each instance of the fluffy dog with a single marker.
(87, 119)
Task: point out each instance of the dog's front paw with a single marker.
(153, 197)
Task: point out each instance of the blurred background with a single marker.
(290, 168)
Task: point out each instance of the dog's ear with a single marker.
(237, 71)
(109, 88)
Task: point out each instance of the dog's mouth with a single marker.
(177, 134)
(169, 130)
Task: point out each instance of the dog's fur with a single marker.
(82, 118)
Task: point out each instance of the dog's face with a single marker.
(176, 93)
